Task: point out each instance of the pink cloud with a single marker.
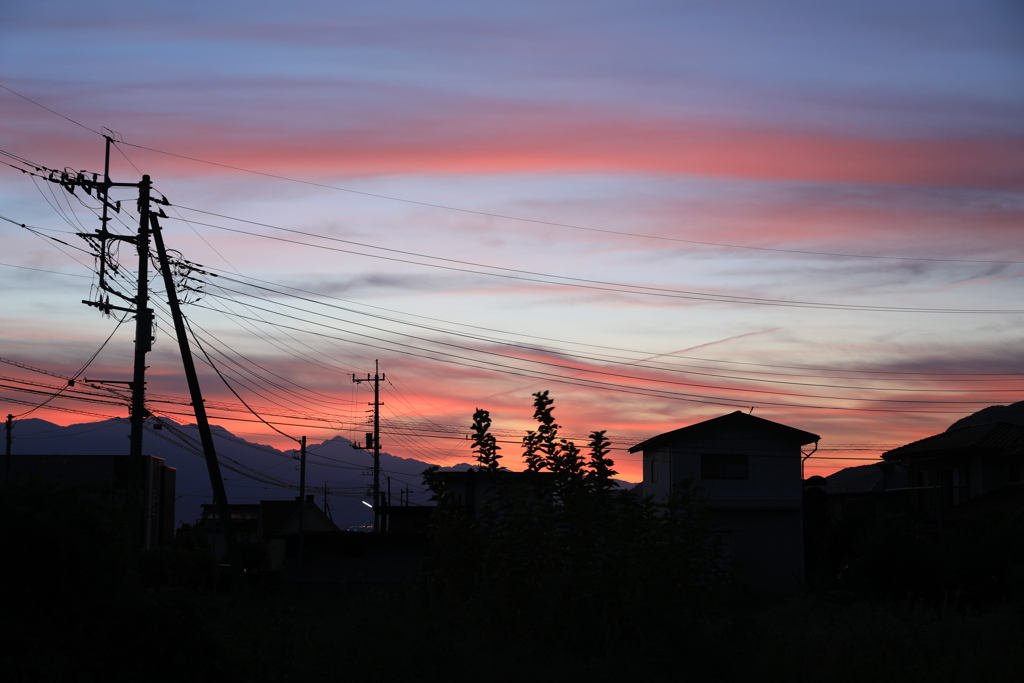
(633, 148)
(514, 137)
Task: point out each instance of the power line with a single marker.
(823, 447)
(919, 376)
(745, 379)
(55, 113)
(520, 219)
(648, 379)
(568, 354)
(41, 270)
(584, 283)
(562, 366)
(568, 225)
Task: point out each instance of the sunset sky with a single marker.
(659, 211)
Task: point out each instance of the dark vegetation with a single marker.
(566, 578)
(976, 562)
(559, 547)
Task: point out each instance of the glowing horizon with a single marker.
(657, 132)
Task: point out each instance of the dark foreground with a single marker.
(175, 635)
(545, 603)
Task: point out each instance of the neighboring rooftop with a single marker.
(736, 420)
(993, 438)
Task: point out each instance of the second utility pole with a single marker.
(377, 377)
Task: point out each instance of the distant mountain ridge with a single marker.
(333, 463)
(1012, 413)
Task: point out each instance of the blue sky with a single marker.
(878, 129)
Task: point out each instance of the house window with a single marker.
(723, 466)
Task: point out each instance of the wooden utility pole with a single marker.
(220, 495)
(327, 506)
(143, 325)
(140, 302)
(137, 305)
(302, 500)
(10, 426)
(376, 379)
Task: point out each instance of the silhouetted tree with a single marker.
(484, 444)
(600, 472)
(540, 446)
(561, 539)
(434, 483)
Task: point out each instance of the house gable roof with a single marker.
(727, 423)
(993, 438)
(279, 517)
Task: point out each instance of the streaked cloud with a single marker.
(885, 129)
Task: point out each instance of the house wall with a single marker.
(769, 545)
(773, 477)
(760, 517)
(658, 479)
(988, 475)
(244, 521)
(982, 477)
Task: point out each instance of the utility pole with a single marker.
(143, 325)
(376, 379)
(140, 302)
(137, 305)
(327, 507)
(302, 501)
(199, 407)
(10, 426)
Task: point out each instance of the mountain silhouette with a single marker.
(1012, 413)
(252, 471)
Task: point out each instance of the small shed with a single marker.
(750, 471)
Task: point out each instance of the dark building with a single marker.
(108, 476)
(964, 468)
(750, 470)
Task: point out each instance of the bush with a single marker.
(560, 547)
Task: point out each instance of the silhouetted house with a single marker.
(244, 520)
(972, 467)
(471, 490)
(272, 523)
(406, 519)
(279, 528)
(862, 491)
(108, 476)
(750, 470)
